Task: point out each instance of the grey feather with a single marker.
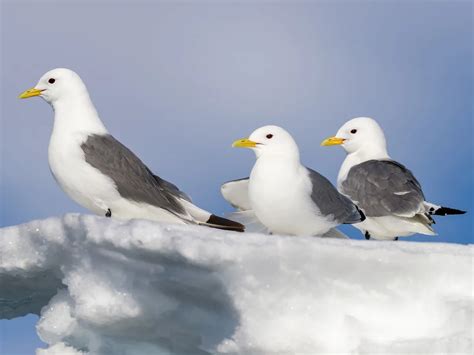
(132, 178)
(331, 202)
(172, 188)
(384, 188)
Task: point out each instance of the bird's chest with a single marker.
(277, 192)
(65, 157)
(349, 162)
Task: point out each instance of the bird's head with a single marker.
(358, 135)
(270, 140)
(57, 84)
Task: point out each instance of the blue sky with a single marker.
(177, 83)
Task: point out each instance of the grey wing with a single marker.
(172, 188)
(331, 202)
(383, 188)
(132, 177)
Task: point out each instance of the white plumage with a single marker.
(387, 192)
(100, 173)
(285, 196)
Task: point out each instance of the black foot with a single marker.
(367, 235)
(108, 213)
(395, 239)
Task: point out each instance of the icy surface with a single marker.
(108, 287)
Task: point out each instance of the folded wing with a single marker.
(330, 202)
(384, 188)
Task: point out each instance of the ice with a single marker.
(103, 286)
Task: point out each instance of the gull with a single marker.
(285, 196)
(388, 193)
(100, 173)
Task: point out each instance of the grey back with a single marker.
(331, 202)
(383, 188)
(133, 179)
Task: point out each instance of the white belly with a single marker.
(281, 201)
(389, 227)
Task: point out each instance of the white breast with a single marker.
(348, 163)
(280, 197)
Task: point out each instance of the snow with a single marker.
(103, 286)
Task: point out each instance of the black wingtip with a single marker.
(362, 214)
(224, 223)
(444, 211)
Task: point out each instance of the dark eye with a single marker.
(269, 136)
(51, 81)
(354, 131)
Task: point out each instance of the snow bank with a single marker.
(103, 286)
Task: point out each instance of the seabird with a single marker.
(99, 172)
(388, 193)
(285, 196)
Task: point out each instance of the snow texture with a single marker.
(103, 286)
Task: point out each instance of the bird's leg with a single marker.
(395, 239)
(367, 235)
(108, 213)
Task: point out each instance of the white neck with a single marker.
(360, 156)
(77, 114)
(372, 151)
(272, 164)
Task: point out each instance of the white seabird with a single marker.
(285, 196)
(388, 193)
(99, 172)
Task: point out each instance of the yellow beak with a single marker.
(30, 93)
(332, 141)
(244, 143)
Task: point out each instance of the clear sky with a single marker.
(177, 83)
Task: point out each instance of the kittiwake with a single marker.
(99, 172)
(388, 193)
(285, 196)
